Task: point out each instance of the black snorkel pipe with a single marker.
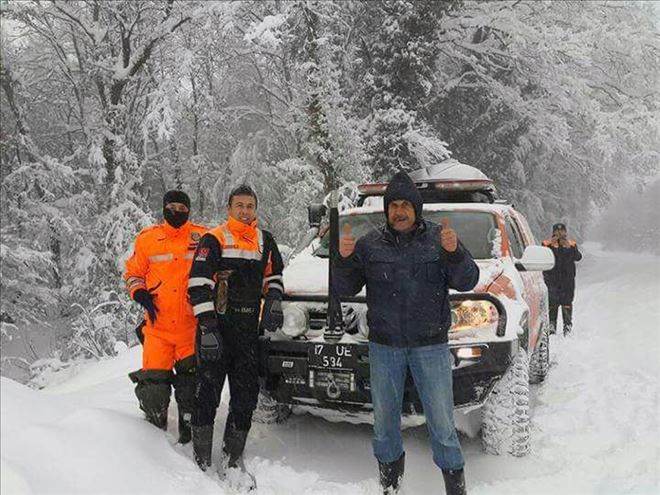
(335, 320)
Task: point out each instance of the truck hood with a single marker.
(308, 274)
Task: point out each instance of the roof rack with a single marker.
(448, 181)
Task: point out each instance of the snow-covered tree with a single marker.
(539, 95)
(396, 74)
(106, 105)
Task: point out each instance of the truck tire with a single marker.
(269, 411)
(505, 421)
(539, 364)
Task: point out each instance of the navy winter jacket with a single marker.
(561, 279)
(407, 279)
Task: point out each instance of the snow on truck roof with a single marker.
(448, 170)
(375, 205)
(447, 177)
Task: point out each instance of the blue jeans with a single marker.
(430, 367)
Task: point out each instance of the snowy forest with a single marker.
(105, 105)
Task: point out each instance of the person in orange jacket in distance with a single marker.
(561, 279)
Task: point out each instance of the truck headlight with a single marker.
(296, 320)
(472, 314)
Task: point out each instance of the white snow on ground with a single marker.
(596, 420)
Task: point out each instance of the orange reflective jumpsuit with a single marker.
(161, 263)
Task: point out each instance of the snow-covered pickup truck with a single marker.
(499, 334)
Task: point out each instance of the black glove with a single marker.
(146, 299)
(209, 341)
(272, 316)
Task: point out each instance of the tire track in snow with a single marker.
(597, 415)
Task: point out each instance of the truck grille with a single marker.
(318, 319)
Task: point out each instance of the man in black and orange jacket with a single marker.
(235, 265)
(561, 279)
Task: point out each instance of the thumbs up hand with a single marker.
(346, 241)
(448, 238)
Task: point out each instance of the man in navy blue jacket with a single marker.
(408, 266)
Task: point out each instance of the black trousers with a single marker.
(566, 314)
(239, 363)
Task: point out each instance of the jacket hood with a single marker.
(402, 187)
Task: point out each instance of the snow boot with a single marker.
(185, 383)
(454, 481)
(158, 419)
(391, 474)
(553, 314)
(152, 388)
(185, 435)
(567, 316)
(235, 471)
(202, 440)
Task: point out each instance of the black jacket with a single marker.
(407, 284)
(561, 279)
(246, 257)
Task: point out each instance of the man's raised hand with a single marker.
(346, 241)
(448, 238)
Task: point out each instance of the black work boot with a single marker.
(185, 385)
(235, 471)
(185, 435)
(202, 440)
(152, 388)
(567, 316)
(233, 444)
(157, 418)
(391, 474)
(454, 481)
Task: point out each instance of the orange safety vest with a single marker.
(242, 242)
(161, 263)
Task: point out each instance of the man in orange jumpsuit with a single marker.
(157, 279)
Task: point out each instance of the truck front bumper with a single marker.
(295, 377)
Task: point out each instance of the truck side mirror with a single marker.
(536, 259)
(315, 214)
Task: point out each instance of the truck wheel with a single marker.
(505, 421)
(269, 411)
(539, 364)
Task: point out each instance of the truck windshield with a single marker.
(475, 229)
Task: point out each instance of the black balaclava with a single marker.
(559, 226)
(176, 218)
(402, 187)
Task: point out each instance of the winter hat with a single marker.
(558, 226)
(402, 187)
(176, 197)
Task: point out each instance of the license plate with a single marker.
(338, 356)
